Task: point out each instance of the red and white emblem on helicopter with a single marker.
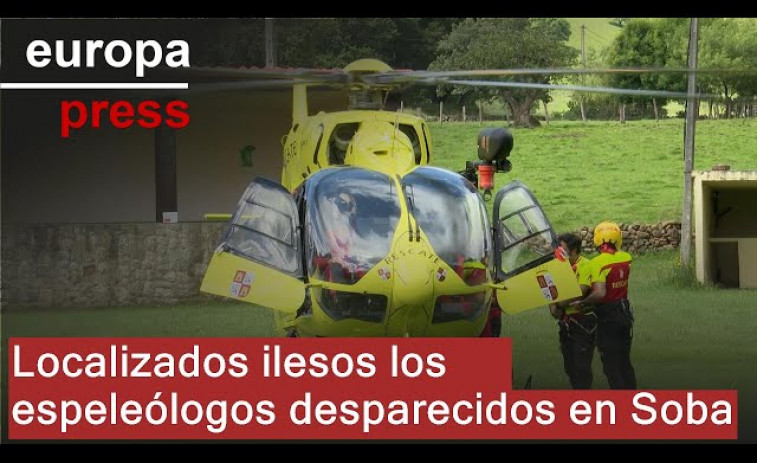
(441, 274)
(240, 286)
(384, 273)
(547, 285)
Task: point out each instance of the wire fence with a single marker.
(445, 112)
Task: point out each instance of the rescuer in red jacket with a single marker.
(609, 296)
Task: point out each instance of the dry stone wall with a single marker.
(639, 238)
(98, 265)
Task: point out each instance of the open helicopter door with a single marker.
(525, 253)
(259, 259)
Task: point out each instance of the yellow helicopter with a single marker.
(363, 237)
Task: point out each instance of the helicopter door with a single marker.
(525, 253)
(259, 259)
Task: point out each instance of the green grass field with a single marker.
(585, 173)
(599, 33)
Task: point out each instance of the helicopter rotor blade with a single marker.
(272, 84)
(288, 83)
(575, 88)
(401, 76)
(203, 87)
(213, 87)
(213, 79)
(282, 77)
(274, 73)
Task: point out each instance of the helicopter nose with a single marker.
(413, 294)
(413, 285)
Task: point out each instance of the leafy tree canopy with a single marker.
(502, 43)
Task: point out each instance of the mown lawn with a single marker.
(586, 173)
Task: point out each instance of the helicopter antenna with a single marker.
(417, 227)
(396, 128)
(408, 201)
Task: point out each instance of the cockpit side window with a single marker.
(318, 145)
(409, 130)
(526, 235)
(339, 141)
(299, 199)
(426, 139)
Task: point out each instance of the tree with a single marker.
(729, 43)
(323, 42)
(596, 105)
(416, 49)
(619, 22)
(234, 43)
(649, 43)
(500, 43)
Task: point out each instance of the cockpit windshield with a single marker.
(452, 215)
(350, 221)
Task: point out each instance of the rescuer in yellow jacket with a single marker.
(577, 324)
(610, 271)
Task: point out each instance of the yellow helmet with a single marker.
(608, 232)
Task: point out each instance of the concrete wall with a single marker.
(702, 218)
(210, 176)
(738, 219)
(108, 175)
(726, 242)
(724, 260)
(96, 175)
(747, 259)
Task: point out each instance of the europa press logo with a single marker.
(114, 54)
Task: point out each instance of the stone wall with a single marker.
(97, 265)
(639, 238)
(78, 265)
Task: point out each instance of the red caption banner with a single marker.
(339, 388)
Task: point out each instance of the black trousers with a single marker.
(577, 340)
(614, 336)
